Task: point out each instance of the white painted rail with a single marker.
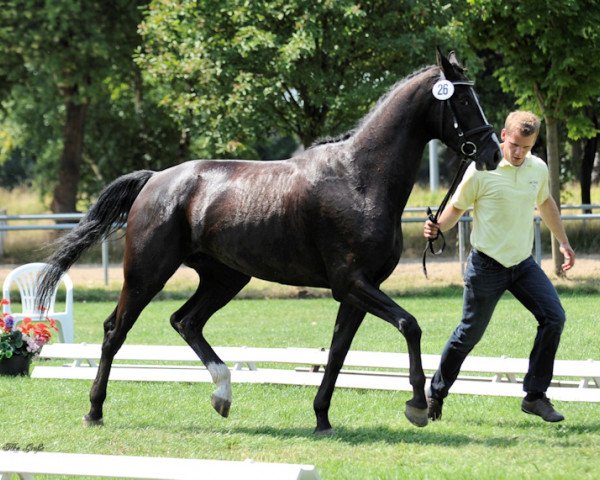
(488, 375)
(27, 464)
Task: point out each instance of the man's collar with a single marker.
(506, 163)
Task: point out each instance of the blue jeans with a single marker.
(485, 282)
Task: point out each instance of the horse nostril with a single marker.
(491, 165)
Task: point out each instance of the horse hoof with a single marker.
(416, 416)
(328, 432)
(220, 405)
(90, 422)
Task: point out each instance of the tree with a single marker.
(588, 155)
(127, 130)
(60, 53)
(549, 50)
(234, 72)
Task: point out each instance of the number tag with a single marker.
(443, 89)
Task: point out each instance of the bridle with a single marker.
(467, 148)
(467, 152)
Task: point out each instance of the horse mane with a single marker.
(337, 138)
(382, 100)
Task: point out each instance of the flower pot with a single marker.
(15, 366)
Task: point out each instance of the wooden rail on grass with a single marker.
(500, 376)
(27, 464)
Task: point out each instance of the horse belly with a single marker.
(271, 254)
(260, 230)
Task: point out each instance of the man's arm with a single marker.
(449, 217)
(551, 217)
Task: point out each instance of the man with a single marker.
(503, 204)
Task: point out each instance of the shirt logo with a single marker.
(533, 184)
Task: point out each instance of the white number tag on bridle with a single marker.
(443, 89)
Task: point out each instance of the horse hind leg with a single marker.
(143, 280)
(98, 391)
(217, 287)
(116, 327)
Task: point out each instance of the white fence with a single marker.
(463, 241)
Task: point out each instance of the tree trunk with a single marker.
(65, 192)
(587, 165)
(554, 170)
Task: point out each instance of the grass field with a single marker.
(479, 437)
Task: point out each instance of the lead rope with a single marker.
(464, 163)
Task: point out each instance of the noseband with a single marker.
(468, 150)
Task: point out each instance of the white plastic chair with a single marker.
(26, 279)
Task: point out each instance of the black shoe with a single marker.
(434, 407)
(542, 408)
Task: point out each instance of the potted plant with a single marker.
(19, 345)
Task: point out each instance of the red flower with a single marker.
(4, 301)
(52, 323)
(27, 326)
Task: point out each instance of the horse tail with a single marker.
(107, 215)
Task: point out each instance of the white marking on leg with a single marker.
(221, 377)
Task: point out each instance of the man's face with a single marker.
(516, 146)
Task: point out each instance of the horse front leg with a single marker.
(346, 325)
(365, 296)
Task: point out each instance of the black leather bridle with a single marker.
(467, 148)
(467, 152)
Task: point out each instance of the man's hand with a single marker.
(431, 230)
(569, 255)
(448, 218)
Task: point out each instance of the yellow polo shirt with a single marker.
(503, 202)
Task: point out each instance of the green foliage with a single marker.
(549, 54)
(16, 169)
(57, 52)
(126, 130)
(232, 78)
(234, 72)
(70, 43)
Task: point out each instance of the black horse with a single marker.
(329, 217)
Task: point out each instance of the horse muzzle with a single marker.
(490, 154)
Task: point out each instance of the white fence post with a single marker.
(434, 171)
(105, 260)
(2, 232)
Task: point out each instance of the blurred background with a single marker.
(90, 90)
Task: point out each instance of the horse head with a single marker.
(464, 127)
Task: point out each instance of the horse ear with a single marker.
(450, 66)
(444, 63)
(452, 58)
(454, 62)
(439, 56)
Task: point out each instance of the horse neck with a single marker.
(389, 146)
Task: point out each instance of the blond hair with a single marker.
(522, 122)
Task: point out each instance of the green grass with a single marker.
(479, 437)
